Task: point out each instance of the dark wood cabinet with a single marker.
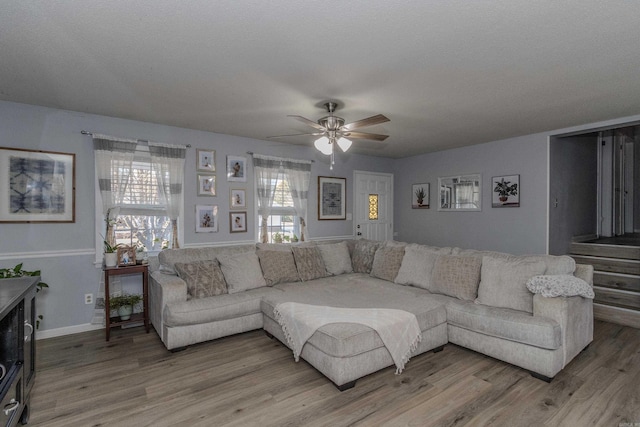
(17, 348)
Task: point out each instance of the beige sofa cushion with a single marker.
(504, 282)
(386, 262)
(336, 258)
(278, 266)
(168, 257)
(309, 262)
(241, 271)
(203, 278)
(456, 276)
(417, 265)
(363, 254)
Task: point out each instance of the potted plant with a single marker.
(505, 190)
(110, 254)
(277, 238)
(124, 304)
(420, 195)
(17, 271)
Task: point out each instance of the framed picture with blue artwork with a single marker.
(37, 186)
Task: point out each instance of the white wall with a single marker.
(66, 252)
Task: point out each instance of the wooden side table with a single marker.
(137, 317)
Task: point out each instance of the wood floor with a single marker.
(250, 380)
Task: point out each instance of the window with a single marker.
(283, 224)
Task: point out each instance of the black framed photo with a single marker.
(37, 186)
(332, 198)
(505, 191)
(237, 222)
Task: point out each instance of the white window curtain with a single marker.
(113, 158)
(298, 173)
(168, 162)
(266, 171)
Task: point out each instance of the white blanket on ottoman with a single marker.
(398, 329)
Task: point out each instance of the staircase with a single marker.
(616, 280)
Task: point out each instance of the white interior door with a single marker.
(373, 211)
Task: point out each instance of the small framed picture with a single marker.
(420, 196)
(126, 256)
(238, 199)
(206, 160)
(505, 191)
(238, 222)
(332, 199)
(206, 185)
(236, 168)
(206, 218)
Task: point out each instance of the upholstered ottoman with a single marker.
(344, 352)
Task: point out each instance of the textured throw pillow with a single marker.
(203, 278)
(241, 271)
(386, 262)
(560, 285)
(309, 262)
(417, 265)
(363, 254)
(504, 282)
(336, 258)
(456, 276)
(278, 266)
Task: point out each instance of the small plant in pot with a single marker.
(124, 304)
(110, 254)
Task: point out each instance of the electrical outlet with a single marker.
(88, 298)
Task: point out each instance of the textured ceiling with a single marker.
(447, 73)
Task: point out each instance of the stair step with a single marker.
(625, 282)
(612, 265)
(607, 251)
(618, 298)
(620, 316)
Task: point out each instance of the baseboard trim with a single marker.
(67, 330)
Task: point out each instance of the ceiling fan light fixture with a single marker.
(323, 145)
(344, 143)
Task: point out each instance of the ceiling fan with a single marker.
(332, 130)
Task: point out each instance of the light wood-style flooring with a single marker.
(251, 380)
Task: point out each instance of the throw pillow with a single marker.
(336, 258)
(456, 276)
(278, 266)
(309, 262)
(241, 271)
(560, 285)
(363, 254)
(504, 282)
(203, 278)
(386, 262)
(417, 265)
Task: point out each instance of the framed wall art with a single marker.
(420, 196)
(238, 199)
(206, 160)
(460, 193)
(236, 169)
(206, 185)
(206, 219)
(238, 222)
(505, 191)
(37, 186)
(332, 198)
(126, 256)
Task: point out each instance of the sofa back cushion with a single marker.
(278, 266)
(386, 262)
(336, 258)
(363, 254)
(504, 282)
(241, 271)
(168, 257)
(203, 278)
(555, 264)
(309, 262)
(417, 265)
(456, 276)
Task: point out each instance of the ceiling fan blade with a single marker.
(295, 134)
(308, 122)
(369, 121)
(365, 135)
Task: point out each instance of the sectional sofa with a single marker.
(532, 311)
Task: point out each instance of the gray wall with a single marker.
(514, 230)
(573, 175)
(66, 252)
